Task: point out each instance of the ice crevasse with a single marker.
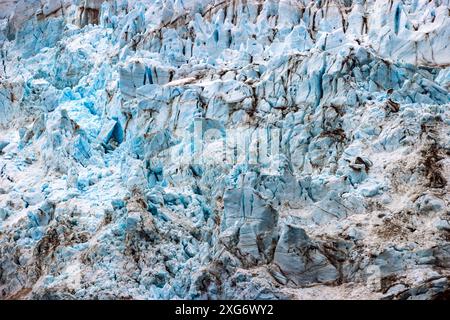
(210, 149)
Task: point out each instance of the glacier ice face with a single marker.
(205, 149)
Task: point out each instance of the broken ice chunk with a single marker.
(111, 129)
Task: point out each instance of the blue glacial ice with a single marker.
(206, 149)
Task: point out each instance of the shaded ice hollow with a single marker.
(209, 149)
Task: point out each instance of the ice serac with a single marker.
(300, 260)
(209, 149)
(248, 226)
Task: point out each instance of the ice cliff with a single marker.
(203, 149)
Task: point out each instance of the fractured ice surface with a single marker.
(199, 149)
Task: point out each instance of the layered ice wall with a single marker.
(224, 149)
